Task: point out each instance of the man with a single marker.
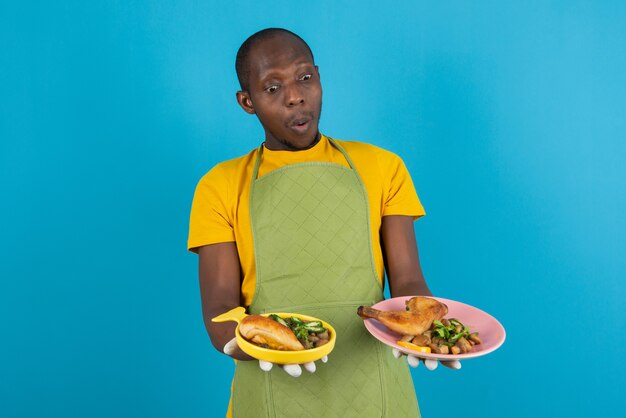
(306, 224)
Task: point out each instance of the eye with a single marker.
(272, 89)
(306, 77)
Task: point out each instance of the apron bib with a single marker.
(313, 253)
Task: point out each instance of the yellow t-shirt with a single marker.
(221, 213)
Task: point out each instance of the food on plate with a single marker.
(285, 334)
(418, 317)
(448, 336)
(269, 333)
(425, 304)
(452, 335)
(423, 327)
(420, 348)
(311, 334)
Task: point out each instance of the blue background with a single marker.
(510, 117)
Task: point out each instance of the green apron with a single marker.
(313, 253)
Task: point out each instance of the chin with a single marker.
(298, 143)
(306, 144)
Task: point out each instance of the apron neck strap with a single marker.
(340, 148)
(257, 162)
(259, 154)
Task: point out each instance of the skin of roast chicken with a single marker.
(423, 304)
(267, 332)
(421, 313)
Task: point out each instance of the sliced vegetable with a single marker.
(415, 347)
(310, 333)
(451, 333)
(314, 329)
(279, 319)
(296, 321)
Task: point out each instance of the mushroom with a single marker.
(464, 345)
(475, 338)
(421, 340)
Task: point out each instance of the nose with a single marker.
(294, 96)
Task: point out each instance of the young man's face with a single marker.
(285, 93)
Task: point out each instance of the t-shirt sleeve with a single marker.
(211, 218)
(400, 197)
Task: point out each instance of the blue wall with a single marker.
(509, 117)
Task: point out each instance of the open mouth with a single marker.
(300, 124)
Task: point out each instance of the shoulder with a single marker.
(368, 153)
(228, 170)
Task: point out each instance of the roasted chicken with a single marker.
(419, 316)
(269, 333)
(424, 304)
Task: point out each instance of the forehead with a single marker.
(277, 53)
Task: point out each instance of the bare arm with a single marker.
(401, 257)
(220, 289)
(404, 271)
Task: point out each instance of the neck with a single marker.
(276, 144)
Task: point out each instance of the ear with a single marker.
(243, 98)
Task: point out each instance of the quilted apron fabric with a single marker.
(313, 253)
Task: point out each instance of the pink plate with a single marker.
(491, 332)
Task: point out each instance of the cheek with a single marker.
(271, 111)
(317, 93)
(269, 116)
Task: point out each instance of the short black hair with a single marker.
(242, 64)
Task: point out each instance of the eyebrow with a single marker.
(276, 72)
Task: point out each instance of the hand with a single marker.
(293, 370)
(429, 363)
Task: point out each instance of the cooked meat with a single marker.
(421, 314)
(424, 305)
(264, 331)
(411, 322)
(402, 322)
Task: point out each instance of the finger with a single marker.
(324, 359)
(292, 370)
(396, 353)
(231, 347)
(309, 367)
(266, 366)
(431, 364)
(413, 361)
(454, 364)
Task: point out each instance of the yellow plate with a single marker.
(277, 356)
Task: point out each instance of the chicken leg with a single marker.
(414, 321)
